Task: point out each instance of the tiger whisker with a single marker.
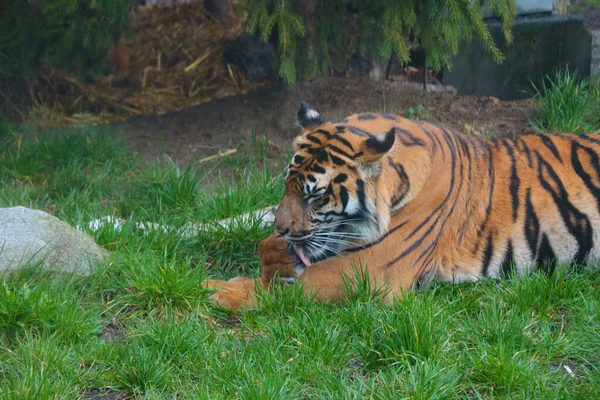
(320, 230)
(320, 245)
(310, 247)
(337, 238)
(344, 242)
(348, 245)
(326, 247)
(341, 222)
(326, 236)
(339, 234)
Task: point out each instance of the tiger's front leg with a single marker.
(325, 281)
(239, 292)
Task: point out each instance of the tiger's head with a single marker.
(328, 204)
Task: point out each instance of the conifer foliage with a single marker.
(76, 34)
(317, 34)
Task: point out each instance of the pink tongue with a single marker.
(301, 255)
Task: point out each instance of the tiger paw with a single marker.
(235, 294)
(276, 260)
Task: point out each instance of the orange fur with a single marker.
(448, 206)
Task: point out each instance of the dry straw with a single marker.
(175, 58)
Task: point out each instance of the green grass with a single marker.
(141, 324)
(566, 103)
(418, 112)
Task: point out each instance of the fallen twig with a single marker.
(220, 154)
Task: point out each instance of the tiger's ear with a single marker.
(307, 118)
(377, 146)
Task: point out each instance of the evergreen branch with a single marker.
(381, 28)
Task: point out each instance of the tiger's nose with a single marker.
(281, 227)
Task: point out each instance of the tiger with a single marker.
(408, 202)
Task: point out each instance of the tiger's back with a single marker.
(487, 207)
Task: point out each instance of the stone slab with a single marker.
(540, 45)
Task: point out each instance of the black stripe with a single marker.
(551, 146)
(465, 148)
(429, 135)
(313, 139)
(439, 142)
(590, 138)
(324, 132)
(338, 150)
(318, 169)
(378, 240)
(360, 192)
(389, 116)
(487, 255)
(366, 116)
(322, 156)
(314, 194)
(531, 226)
(412, 140)
(344, 197)
(583, 174)
(337, 214)
(577, 223)
(477, 145)
(311, 178)
(340, 178)
(337, 160)
(343, 141)
(404, 186)
(359, 132)
(492, 186)
(508, 264)
(525, 149)
(514, 180)
(298, 159)
(547, 258)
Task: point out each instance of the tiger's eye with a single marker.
(323, 201)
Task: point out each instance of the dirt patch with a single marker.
(189, 135)
(229, 322)
(112, 331)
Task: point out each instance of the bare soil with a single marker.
(189, 135)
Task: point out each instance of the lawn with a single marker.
(141, 326)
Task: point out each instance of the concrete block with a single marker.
(595, 67)
(540, 45)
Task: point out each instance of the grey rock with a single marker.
(30, 236)
(541, 45)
